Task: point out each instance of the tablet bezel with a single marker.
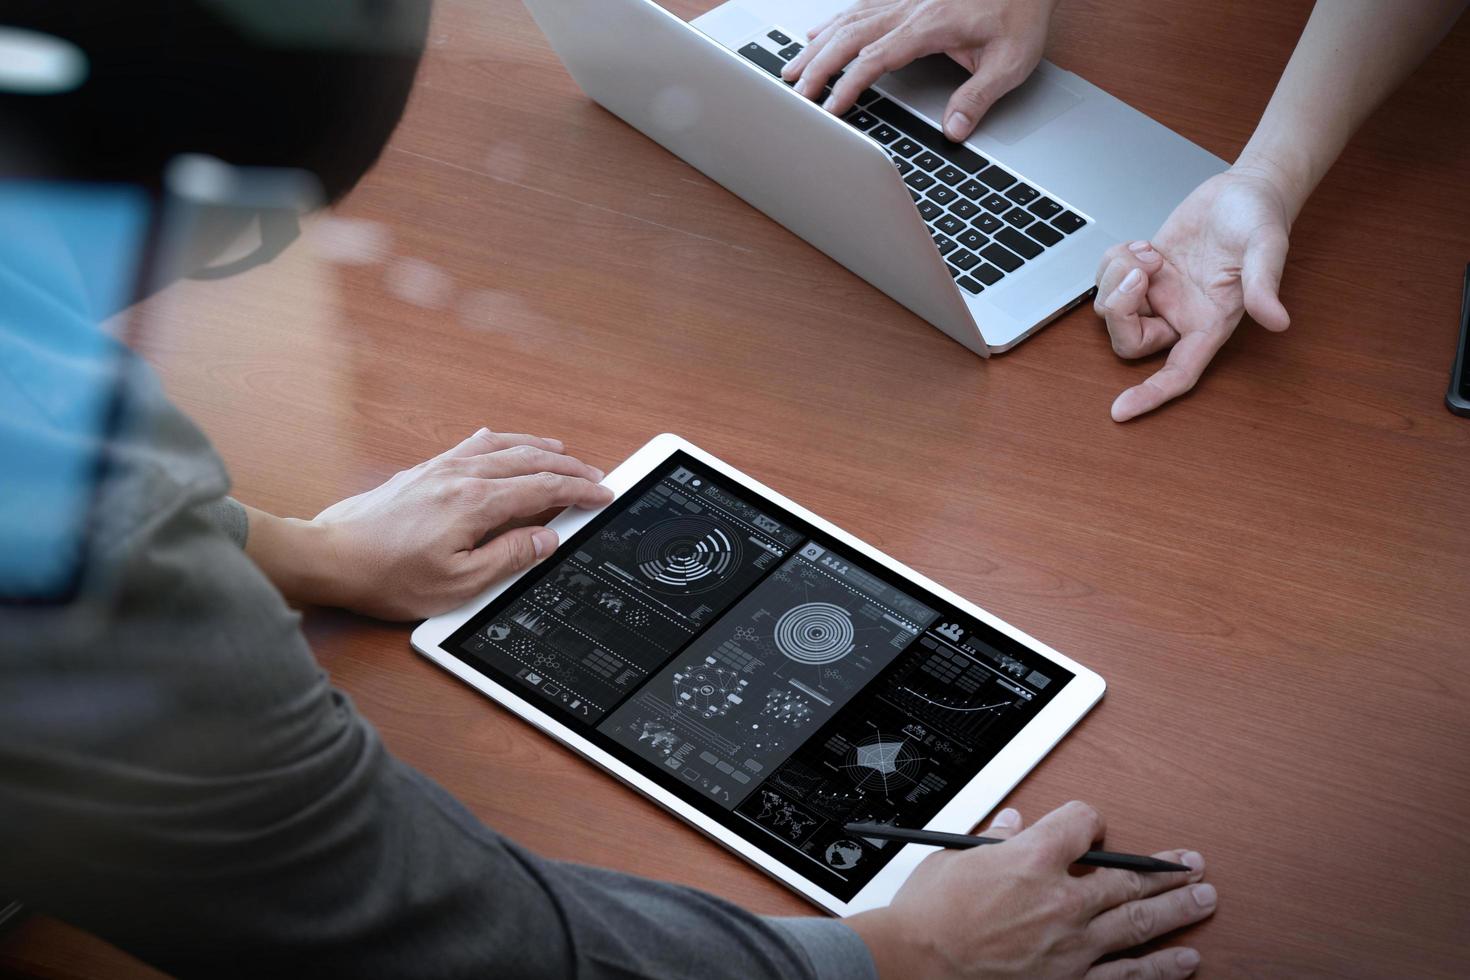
(965, 809)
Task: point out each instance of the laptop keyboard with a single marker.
(986, 221)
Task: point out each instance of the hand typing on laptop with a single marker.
(1221, 253)
(999, 41)
(434, 535)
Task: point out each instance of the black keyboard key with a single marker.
(995, 178)
(1009, 261)
(1068, 222)
(987, 274)
(791, 52)
(973, 189)
(944, 245)
(1045, 208)
(928, 161)
(951, 175)
(955, 273)
(996, 203)
(905, 146)
(1017, 242)
(903, 165)
(970, 285)
(866, 97)
(965, 209)
(987, 223)
(915, 195)
(1018, 217)
(972, 240)
(963, 260)
(861, 120)
(778, 37)
(1044, 233)
(919, 180)
(943, 194)
(891, 112)
(883, 134)
(949, 224)
(759, 56)
(929, 210)
(1023, 194)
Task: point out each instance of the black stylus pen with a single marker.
(1096, 859)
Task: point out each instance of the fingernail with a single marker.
(1204, 896)
(1193, 860)
(831, 101)
(1131, 281)
(1008, 818)
(599, 473)
(544, 542)
(1138, 246)
(557, 444)
(1117, 411)
(1148, 255)
(1187, 959)
(957, 126)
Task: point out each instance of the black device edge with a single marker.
(1457, 396)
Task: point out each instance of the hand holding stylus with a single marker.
(1015, 910)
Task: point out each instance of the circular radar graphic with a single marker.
(815, 633)
(883, 764)
(688, 554)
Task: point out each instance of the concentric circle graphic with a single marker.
(688, 554)
(815, 633)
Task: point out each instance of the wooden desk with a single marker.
(1272, 574)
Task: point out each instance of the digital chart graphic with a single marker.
(688, 555)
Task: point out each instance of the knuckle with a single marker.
(1133, 885)
(1068, 902)
(550, 483)
(520, 552)
(1141, 921)
(1134, 970)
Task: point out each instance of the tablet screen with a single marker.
(760, 670)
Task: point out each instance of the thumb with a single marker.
(514, 551)
(972, 100)
(1007, 824)
(1260, 277)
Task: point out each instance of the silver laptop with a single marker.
(987, 240)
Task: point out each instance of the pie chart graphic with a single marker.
(688, 555)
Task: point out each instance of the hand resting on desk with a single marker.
(1218, 256)
(432, 536)
(1015, 910)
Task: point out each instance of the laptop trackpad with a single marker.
(1024, 110)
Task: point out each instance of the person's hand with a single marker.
(1218, 255)
(998, 41)
(432, 536)
(1014, 909)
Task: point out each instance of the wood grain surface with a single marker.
(1272, 573)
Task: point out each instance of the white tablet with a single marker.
(764, 675)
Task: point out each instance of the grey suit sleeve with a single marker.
(228, 516)
(188, 785)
